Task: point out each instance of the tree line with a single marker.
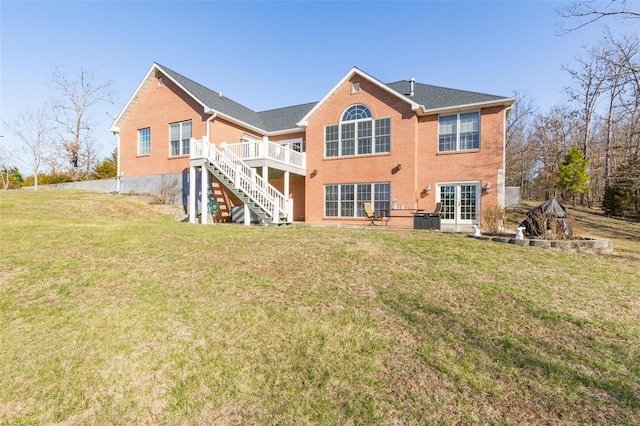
(56, 140)
(588, 146)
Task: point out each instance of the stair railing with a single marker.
(245, 179)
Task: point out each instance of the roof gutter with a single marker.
(214, 114)
(236, 121)
(500, 102)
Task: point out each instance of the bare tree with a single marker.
(33, 130)
(77, 94)
(585, 12)
(551, 137)
(6, 164)
(519, 159)
(589, 78)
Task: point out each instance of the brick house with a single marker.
(402, 146)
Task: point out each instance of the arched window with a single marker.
(358, 134)
(356, 112)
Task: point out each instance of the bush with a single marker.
(493, 217)
(48, 179)
(613, 201)
(550, 227)
(167, 192)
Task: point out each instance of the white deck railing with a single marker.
(265, 149)
(244, 178)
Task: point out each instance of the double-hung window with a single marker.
(459, 132)
(347, 200)
(144, 141)
(180, 135)
(357, 134)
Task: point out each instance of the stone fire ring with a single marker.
(589, 245)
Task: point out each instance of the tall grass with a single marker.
(111, 313)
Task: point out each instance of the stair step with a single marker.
(247, 197)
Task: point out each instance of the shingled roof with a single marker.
(215, 101)
(285, 118)
(435, 97)
(425, 98)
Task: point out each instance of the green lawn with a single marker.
(112, 313)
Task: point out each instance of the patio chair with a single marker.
(372, 216)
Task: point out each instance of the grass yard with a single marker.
(112, 313)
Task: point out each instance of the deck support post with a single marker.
(247, 215)
(287, 191)
(192, 194)
(204, 194)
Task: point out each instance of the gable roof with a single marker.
(426, 99)
(438, 98)
(213, 100)
(355, 71)
(270, 122)
(283, 119)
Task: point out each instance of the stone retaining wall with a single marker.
(588, 245)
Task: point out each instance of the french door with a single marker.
(459, 202)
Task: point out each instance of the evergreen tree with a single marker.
(108, 168)
(572, 173)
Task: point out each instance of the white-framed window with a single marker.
(293, 144)
(179, 136)
(144, 141)
(459, 132)
(357, 134)
(346, 200)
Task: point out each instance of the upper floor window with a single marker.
(144, 141)
(459, 132)
(180, 135)
(358, 134)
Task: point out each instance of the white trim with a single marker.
(458, 131)
(285, 132)
(304, 122)
(457, 184)
(181, 146)
(500, 102)
(115, 128)
(289, 143)
(207, 109)
(236, 121)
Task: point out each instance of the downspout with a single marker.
(214, 114)
(502, 190)
(118, 176)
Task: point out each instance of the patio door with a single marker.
(459, 202)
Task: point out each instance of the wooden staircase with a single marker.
(265, 201)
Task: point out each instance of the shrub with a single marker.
(613, 201)
(167, 192)
(48, 179)
(551, 227)
(493, 217)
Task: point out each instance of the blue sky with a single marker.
(272, 54)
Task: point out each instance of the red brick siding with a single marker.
(475, 165)
(414, 146)
(361, 169)
(157, 107)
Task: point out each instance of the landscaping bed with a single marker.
(589, 245)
